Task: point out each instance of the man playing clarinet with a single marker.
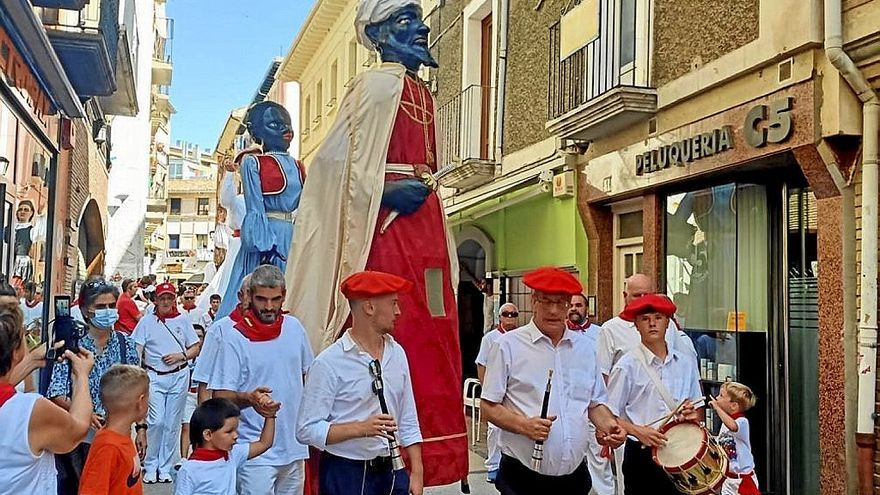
(342, 412)
(533, 421)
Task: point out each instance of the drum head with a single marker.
(685, 441)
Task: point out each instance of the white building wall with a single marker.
(130, 158)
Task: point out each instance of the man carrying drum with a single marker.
(541, 422)
(650, 386)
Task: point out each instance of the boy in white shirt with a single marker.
(731, 404)
(212, 467)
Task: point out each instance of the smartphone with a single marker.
(64, 328)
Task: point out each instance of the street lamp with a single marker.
(4, 165)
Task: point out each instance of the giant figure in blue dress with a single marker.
(272, 182)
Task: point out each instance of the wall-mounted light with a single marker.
(4, 165)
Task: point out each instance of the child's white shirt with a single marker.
(211, 477)
(738, 446)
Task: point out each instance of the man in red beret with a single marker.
(340, 412)
(166, 341)
(647, 384)
(512, 398)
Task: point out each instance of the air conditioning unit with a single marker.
(564, 184)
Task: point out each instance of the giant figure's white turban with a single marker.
(374, 11)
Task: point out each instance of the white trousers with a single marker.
(618, 468)
(731, 485)
(288, 479)
(493, 435)
(167, 398)
(601, 470)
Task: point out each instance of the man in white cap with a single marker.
(371, 204)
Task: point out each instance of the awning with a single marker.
(197, 279)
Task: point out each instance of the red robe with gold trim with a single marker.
(413, 246)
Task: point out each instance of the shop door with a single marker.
(628, 249)
(719, 260)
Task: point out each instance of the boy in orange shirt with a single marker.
(113, 466)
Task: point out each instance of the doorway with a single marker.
(471, 300)
(628, 247)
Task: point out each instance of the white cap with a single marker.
(375, 11)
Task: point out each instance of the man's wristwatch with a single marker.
(140, 426)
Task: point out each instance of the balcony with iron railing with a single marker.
(162, 51)
(600, 67)
(96, 51)
(466, 138)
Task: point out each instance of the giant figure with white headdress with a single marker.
(371, 204)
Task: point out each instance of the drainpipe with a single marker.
(868, 283)
(501, 84)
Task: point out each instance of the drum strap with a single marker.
(655, 378)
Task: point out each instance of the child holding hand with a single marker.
(731, 404)
(212, 467)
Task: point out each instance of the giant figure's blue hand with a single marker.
(404, 196)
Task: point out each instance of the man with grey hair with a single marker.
(267, 353)
(507, 321)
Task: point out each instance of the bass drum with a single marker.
(692, 459)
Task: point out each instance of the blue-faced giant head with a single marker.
(403, 38)
(270, 125)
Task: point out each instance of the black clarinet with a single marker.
(378, 389)
(538, 451)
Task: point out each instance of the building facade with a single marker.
(190, 215)
(719, 149)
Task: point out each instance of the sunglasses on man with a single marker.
(509, 314)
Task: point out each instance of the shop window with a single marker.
(174, 241)
(202, 241)
(203, 207)
(174, 206)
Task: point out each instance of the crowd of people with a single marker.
(235, 407)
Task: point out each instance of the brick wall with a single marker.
(698, 31)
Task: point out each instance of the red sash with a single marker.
(203, 454)
(6, 392)
(256, 331)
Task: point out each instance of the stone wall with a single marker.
(446, 28)
(689, 34)
(528, 59)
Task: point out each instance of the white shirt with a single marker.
(211, 348)
(21, 471)
(211, 477)
(486, 345)
(205, 320)
(632, 394)
(232, 201)
(280, 363)
(618, 336)
(339, 390)
(738, 446)
(31, 314)
(516, 377)
(160, 339)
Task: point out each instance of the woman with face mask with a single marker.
(98, 303)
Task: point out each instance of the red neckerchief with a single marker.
(189, 306)
(578, 328)
(211, 314)
(173, 314)
(256, 331)
(501, 328)
(31, 304)
(6, 392)
(235, 315)
(738, 415)
(204, 454)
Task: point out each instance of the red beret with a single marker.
(166, 288)
(367, 284)
(649, 303)
(553, 281)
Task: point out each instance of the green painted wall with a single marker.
(536, 232)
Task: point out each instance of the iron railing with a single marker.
(618, 56)
(466, 126)
(163, 46)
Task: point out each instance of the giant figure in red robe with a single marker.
(371, 203)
